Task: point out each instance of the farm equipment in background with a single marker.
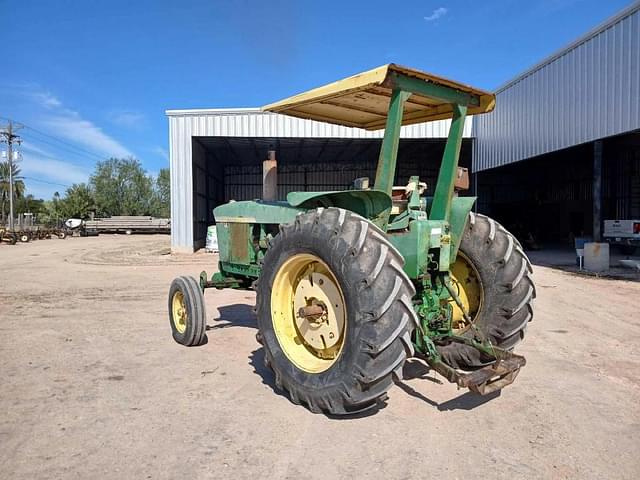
(29, 234)
(7, 236)
(24, 236)
(42, 233)
(351, 283)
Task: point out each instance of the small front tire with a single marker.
(187, 314)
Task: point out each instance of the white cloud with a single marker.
(47, 100)
(27, 146)
(127, 118)
(52, 170)
(32, 91)
(45, 173)
(162, 153)
(71, 126)
(436, 14)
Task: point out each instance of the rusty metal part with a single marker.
(312, 312)
(493, 377)
(462, 179)
(487, 379)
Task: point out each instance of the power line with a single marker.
(39, 140)
(70, 145)
(101, 157)
(52, 144)
(45, 181)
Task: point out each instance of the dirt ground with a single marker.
(93, 385)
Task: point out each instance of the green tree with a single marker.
(29, 204)
(18, 187)
(163, 194)
(52, 213)
(122, 187)
(78, 202)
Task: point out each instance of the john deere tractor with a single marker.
(351, 283)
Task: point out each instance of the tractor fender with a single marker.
(458, 218)
(460, 208)
(374, 205)
(255, 211)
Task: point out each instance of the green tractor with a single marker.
(351, 283)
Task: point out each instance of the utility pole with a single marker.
(9, 137)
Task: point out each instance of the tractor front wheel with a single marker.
(187, 314)
(334, 311)
(492, 275)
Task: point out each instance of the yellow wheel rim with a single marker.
(308, 313)
(466, 281)
(179, 310)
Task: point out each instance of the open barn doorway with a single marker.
(230, 168)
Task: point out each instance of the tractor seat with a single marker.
(400, 196)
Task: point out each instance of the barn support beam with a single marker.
(597, 191)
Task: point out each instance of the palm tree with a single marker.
(18, 186)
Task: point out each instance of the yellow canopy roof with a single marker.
(362, 100)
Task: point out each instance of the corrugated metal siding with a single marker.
(255, 123)
(185, 124)
(181, 186)
(589, 91)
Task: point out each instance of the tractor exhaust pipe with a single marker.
(270, 177)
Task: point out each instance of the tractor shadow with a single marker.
(467, 401)
(242, 315)
(236, 315)
(256, 360)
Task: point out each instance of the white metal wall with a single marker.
(250, 122)
(589, 90)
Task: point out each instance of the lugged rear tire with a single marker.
(379, 315)
(508, 290)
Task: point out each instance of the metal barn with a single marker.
(564, 140)
(562, 143)
(217, 155)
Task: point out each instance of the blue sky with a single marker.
(92, 79)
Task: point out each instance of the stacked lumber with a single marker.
(128, 224)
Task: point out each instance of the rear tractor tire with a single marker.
(493, 277)
(334, 312)
(187, 314)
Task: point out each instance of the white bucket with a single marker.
(212, 239)
(596, 257)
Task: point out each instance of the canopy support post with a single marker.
(386, 170)
(443, 195)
